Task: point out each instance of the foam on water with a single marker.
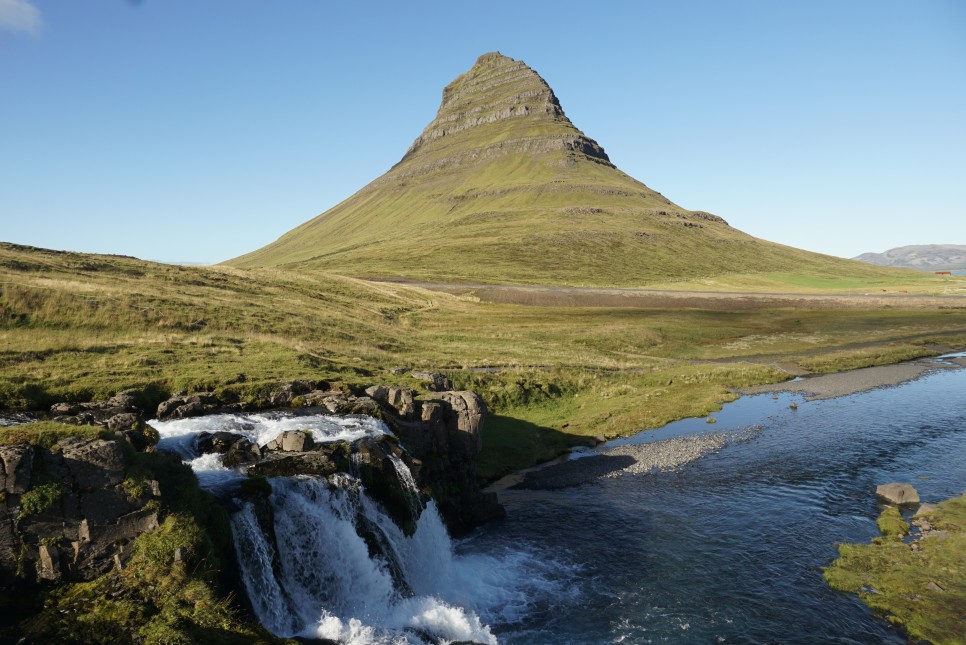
(178, 435)
(324, 582)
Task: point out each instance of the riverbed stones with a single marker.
(183, 407)
(897, 493)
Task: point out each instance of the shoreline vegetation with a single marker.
(79, 327)
(912, 574)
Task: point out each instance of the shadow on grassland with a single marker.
(511, 444)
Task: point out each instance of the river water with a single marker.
(727, 549)
(730, 548)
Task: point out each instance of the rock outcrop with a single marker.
(445, 434)
(442, 432)
(122, 412)
(68, 512)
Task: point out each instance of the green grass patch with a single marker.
(72, 333)
(891, 524)
(46, 434)
(864, 357)
(920, 586)
(40, 498)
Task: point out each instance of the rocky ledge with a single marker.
(69, 511)
(441, 431)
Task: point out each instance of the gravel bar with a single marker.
(828, 386)
(632, 459)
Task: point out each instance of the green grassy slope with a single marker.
(79, 327)
(502, 188)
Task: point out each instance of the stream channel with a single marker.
(728, 548)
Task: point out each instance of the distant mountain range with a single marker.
(925, 257)
(502, 188)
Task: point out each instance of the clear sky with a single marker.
(195, 131)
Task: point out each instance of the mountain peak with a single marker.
(501, 106)
(501, 187)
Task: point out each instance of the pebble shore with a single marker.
(827, 386)
(632, 459)
(672, 454)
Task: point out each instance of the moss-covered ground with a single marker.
(919, 584)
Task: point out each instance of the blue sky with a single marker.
(179, 130)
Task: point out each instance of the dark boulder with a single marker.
(183, 407)
(237, 449)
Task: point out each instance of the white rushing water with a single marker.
(178, 435)
(321, 578)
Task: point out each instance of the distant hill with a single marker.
(502, 188)
(925, 257)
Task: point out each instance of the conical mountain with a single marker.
(502, 188)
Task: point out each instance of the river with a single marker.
(728, 548)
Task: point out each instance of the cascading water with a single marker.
(320, 558)
(328, 585)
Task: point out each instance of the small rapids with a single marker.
(178, 435)
(321, 559)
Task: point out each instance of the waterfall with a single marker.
(320, 558)
(322, 579)
(408, 484)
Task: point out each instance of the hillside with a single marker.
(502, 188)
(77, 327)
(924, 257)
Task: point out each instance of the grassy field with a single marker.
(81, 327)
(920, 585)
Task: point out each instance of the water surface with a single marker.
(730, 549)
